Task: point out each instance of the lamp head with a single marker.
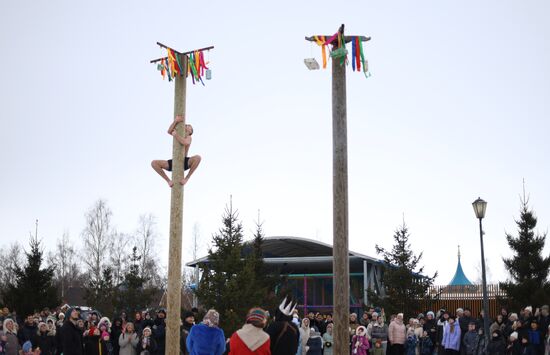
(479, 208)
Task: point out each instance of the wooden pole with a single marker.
(173, 318)
(340, 207)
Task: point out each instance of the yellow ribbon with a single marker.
(321, 42)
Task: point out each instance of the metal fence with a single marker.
(452, 297)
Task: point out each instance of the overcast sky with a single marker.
(457, 107)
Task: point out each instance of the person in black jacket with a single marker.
(283, 332)
(44, 340)
(115, 334)
(188, 322)
(514, 345)
(430, 326)
(27, 331)
(314, 343)
(159, 331)
(71, 336)
(497, 345)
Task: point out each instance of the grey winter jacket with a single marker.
(379, 332)
(128, 343)
(470, 342)
(12, 344)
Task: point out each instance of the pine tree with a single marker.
(231, 281)
(403, 278)
(101, 294)
(33, 287)
(528, 268)
(134, 294)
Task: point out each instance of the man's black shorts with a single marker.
(185, 164)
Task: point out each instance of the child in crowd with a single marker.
(378, 349)
(410, 346)
(426, 344)
(470, 339)
(526, 348)
(359, 342)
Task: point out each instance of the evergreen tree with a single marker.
(133, 294)
(101, 294)
(33, 287)
(231, 282)
(404, 283)
(528, 267)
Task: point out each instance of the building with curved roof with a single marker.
(307, 264)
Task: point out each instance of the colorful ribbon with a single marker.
(321, 42)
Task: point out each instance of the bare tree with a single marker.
(119, 256)
(9, 259)
(193, 277)
(488, 273)
(145, 241)
(67, 268)
(98, 240)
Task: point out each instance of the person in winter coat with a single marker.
(138, 323)
(188, 322)
(481, 342)
(470, 339)
(353, 324)
(71, 335)
(314, 344)
(105, 339)
(536, 339)
(547, 342)
(498, 324)
(12, 346)
(147, 344)
(305, 330)
(397, 335)
(418, 332)
(465, 321)
(328, 340)
(92, 340)
(359, 343)
(526, 348)
(426, 345)
(116, 331)
(378, 331)
(283, 332)
(206, 337)
(430, 326)
(159, 331)
(497, 344)
(43, 340)
(251, 338)
(411, 343)
(128, 340)
(28, 330)
(441, 323)
(514, 345)
(451, 337)
(377, 348)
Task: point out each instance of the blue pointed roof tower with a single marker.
(460, 278)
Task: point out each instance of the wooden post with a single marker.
(173, 318)
(340, 207)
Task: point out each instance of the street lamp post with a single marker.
(479, 208)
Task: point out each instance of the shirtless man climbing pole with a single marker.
(190, 163)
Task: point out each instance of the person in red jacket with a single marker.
(251, 338)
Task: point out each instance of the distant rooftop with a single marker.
(301, 255)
